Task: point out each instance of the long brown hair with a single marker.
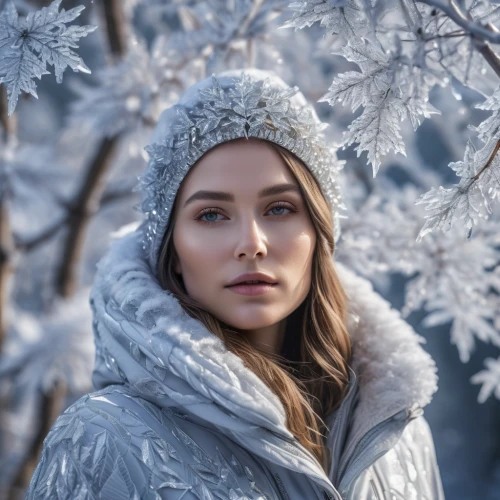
(310, 376)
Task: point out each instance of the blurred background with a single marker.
(69, 161)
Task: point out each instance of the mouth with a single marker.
(252, 288)
(260, 283)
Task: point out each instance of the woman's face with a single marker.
(218, 239)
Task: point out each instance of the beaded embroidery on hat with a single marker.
(248, 108)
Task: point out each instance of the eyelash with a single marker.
(218, 211)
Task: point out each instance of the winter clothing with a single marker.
(176, 415)
(235, 104)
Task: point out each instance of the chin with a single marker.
(253, 322)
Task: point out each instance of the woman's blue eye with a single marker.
(215, 211)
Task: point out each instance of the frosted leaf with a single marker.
(389, 95)
(490, 128)
(377, 130)
(468, 200)
(336, 16)
(28, 45)
(218, 29)
(354, 88)
(489, 378)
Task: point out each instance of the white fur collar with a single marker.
(145, 339)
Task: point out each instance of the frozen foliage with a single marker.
(224, 32)
(450, 278)
(392, 56)
(403, 50)
(409, 52)
(479, 174)
(55, 354)
(336, 16)
(32, 181)
(28, 45)
(56, 348)
(490, 378)
(132, 93)
(388, 95)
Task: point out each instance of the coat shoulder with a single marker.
(105, 445)
(114, 444)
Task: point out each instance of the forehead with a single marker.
(247, 164)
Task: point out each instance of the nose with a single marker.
(251, 240)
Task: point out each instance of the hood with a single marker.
(146, 340)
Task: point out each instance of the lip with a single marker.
(249, 289)
(252, 277)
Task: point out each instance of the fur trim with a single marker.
(393, 370)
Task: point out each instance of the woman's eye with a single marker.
(214, 211)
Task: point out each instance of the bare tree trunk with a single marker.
(50, 407)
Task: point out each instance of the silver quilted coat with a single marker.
(175, 415)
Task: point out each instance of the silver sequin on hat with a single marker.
(232, 105)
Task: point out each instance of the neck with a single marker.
(269, 338)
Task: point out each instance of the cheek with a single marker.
(299, 249)
(197, 254)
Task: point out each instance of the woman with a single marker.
(308, 386)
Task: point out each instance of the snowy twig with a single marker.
(487, 164)
(480, 33)
(457, 16)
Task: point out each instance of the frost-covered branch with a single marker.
(453, 11)
(394, 81)
(471, 198)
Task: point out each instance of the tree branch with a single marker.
(8, 130)
(6, 268)
(47, 233)
(456, 15)
(83, 208)
(115, 26)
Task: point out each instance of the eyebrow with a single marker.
(222, 196)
